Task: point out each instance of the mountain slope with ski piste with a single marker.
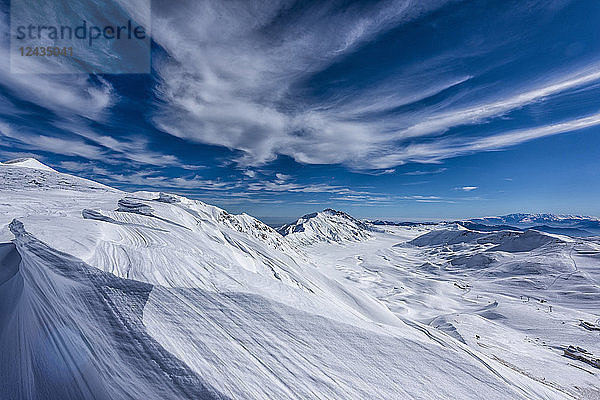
(523, 298)
(112, 295)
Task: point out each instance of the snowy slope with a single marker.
(28, 163)
(521, 298)
(329, 226)
(510, 241)
(80, 325)
(147, 295)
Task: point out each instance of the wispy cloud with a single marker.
(231, 87)
(431, 172)
(482, 111)
(31, 141)
(282, 177)
(78, 141)
(237, 91)
(282, 186)
(150, 180)
(250, 173)
(379, 172)
(65, 95)
(432, 152)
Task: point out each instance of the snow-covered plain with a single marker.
(112, 295)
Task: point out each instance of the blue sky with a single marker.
(390, 109)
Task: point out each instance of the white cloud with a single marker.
(230, 76)
(106, 148)
(65, 95)
(469, 188)
(431, 172)
(154, 181)
(377, 172)
(230, 86)
(32, 141)
(434, 152)
(282, 177)
(441, 122)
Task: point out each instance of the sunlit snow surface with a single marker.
(113, 295)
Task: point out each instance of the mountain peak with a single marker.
(331, 211)
(327, 226)
(28, 162)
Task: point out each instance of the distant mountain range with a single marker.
(400, 223)
(536, 219)
(572, 225)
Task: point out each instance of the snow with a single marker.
(329, 226)
(520, 308)
(28, 163)
(509, 241)
(149, 295)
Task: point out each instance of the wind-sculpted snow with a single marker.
(527, 241)
(254, 348)
(148, 295)
(447, 237)
(70, 331)
(82, 335)
(131, 205)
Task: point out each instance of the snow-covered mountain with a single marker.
(509, 241)
(28, 163)
(106, 294)
(328, 226)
